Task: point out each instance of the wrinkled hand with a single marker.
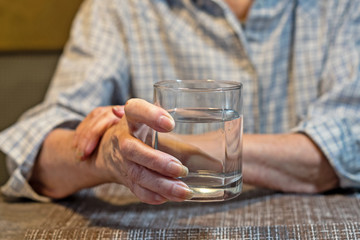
(123, 157)
(93, 127)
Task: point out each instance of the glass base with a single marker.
(213, 188)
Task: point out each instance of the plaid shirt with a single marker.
(298, 61)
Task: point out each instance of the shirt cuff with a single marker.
(17, 186)
(336, 137)
(21, 143)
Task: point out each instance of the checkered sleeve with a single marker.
(333, 121)
(91, 73)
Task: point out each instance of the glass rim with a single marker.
(167, 84)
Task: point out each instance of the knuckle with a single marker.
(93, 113)
(156, 163)
(131, 185)
(136, 173)
(160, 183)
(97, 111)
(132, 103)
(127, 146)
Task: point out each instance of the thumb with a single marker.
(140, 111)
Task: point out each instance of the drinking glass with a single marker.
(207, 137)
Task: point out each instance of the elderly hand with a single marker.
(91, 129)
(123, 157)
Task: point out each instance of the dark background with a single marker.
(33, 34)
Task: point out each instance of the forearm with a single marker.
(57, 172)
(286, 162)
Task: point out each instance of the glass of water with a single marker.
(207, 137)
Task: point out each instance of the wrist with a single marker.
(57, 172)
(286, 162)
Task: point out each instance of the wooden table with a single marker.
(112, 212)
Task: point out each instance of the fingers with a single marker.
(148, 196)
(139, 111)
(149, 173)
(190, 155)
(151, 169)
(150, 158)
(91, 129)
(151, 182)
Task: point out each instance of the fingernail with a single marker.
(182, 192)
(177, 169)
(166, 123)
(118, 110)
(89, 148)
(185, 171)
